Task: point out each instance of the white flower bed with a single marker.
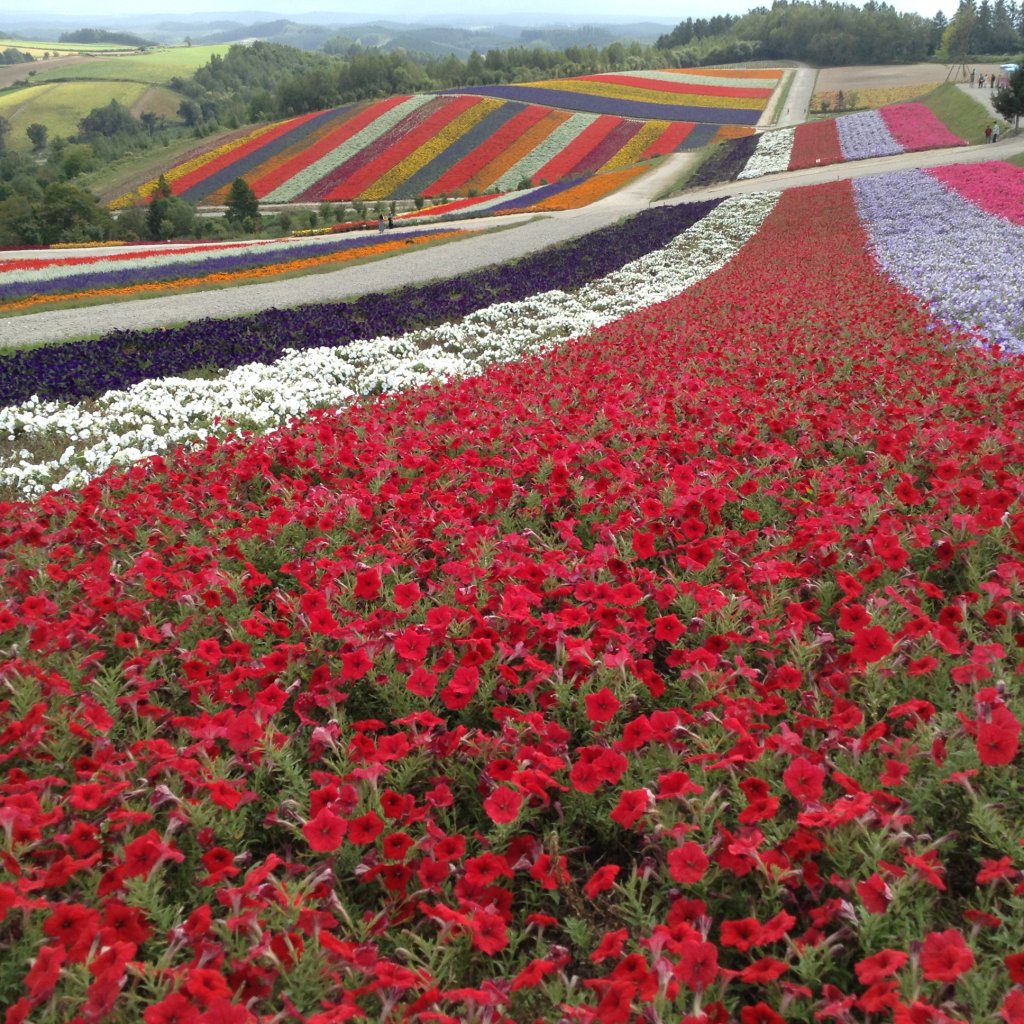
(772, 154)
(155, 416)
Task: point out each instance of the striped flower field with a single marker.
(900, 128)
(31, 284)
(468, 143)
(708, 95)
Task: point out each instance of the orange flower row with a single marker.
(199, 281)
(589, 190)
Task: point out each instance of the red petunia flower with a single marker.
(687, 863)
(880, 965)
(945, 955)
(503, 805)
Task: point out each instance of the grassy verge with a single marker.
(961, 114)
(783, 95)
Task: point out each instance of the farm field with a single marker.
(626, 634)
(38, 48)
(61, 105)
(155, 67)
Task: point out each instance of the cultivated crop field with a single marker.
(643, 649)
(61, 105)
(155, 67)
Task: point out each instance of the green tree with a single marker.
(37, 133)
(70, 214)
(19, 222)
(958, 39)
(1010, 101)
(5, 130)
(76, 158)
(243, 208)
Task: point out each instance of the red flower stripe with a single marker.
(266, 183)
(592, 136)
(815, 142)
(996, 187)
(671, 139)
(655, 85)
(473, 163)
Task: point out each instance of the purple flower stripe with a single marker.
(254, 159)
(618, 137)
(536, 195)
(622, 108)
(82, 369)
(245, 259)
(336, 179)
(420, 182)
(966, 264)
(864, 135)
(725, 162)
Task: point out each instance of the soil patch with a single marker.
(885, 76)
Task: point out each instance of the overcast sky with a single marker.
(451, 11)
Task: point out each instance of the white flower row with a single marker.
(311, 174)
(548, 149)
(772, 155)
(155, 416)
(748, 81)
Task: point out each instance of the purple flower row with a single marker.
(968, 265)
(864, 135)
(566, 100)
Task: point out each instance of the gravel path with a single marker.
(526, 235)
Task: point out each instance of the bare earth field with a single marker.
(894, 75)
(11, 73)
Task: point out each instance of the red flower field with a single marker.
(670, 677)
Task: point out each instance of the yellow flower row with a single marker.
(143, 192)
(870, 99)
(385, 185)
(636, 94)
(636, 147)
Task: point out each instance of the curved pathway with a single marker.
(450, 260)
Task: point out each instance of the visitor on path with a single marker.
(380, 219)
(391, 222)
(972, 78)
(995, 132)
(988, 133)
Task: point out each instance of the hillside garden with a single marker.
(628, 634)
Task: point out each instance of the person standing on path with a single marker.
(988, 133)
(995, 132)
(972, 78)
